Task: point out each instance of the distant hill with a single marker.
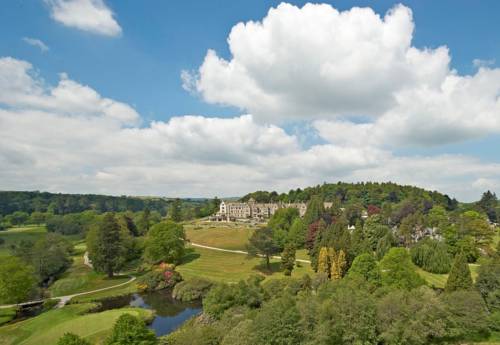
(365, 193)
(58, 203)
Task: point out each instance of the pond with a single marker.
(169, 312)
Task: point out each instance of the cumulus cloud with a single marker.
(351, 72)
(21, 89)
(36, 43)
(87, 15)
(70, 138)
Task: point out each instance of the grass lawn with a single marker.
(48, 327)
(222, 235)
(119, 291)
(439, 280)
(15, 235)
(80, 278)
(7, 314)
(230, 267)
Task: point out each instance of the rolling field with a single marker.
(80, 278)
(48, 327)
(230, 267)
(16, 235)
(222, 235)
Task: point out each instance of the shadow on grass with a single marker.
(274, 267)
(189, 256)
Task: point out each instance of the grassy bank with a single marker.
(15, 235)
(229, 267)
(48, 327)
(80, 278)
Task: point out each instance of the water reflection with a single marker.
(170, 313)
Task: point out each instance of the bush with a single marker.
(432, 256)
(161, 277)
(131, 330)
(72, 339)
(192, 289)
(49, 304)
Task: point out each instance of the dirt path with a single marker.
(238, 251)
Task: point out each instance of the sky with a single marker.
(206, 98)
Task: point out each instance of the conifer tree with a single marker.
(459, 277)
(323, 266)
(338, 264)
(288, 259)
(105, 246)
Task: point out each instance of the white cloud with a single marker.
(353, 72)
(36, 43)
(21, 89)
(87, 15)
(70, 138)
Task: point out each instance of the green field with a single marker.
(439, 280)
(46, 328)
(221, 235)
(15, 235)
(80, 278)
(230, 267)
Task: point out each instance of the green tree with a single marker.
(467, 315)
(297, 233)
(17, 218)
(130, 330)
(384, 244)
(143, 221)
(398, 271)
(16, 280)
(288, 259)
(315, 210)
(488, 204)
(281, 222)
(50, 256)
(175, 211)
(459, 277)
(431, 255)
(71, 339)
(165, 243)
(105, 245)
(374, 230)
(365, 266)
(38, 217)
(488, 283)
(262, 243)
(277, 323)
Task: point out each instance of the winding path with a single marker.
(65, 299)
(239, 251)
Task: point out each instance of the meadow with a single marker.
(48, 327)
(15, 235)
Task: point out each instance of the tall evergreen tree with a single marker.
(323, 261)
(176, 210)
(315, 210)
(105, 246)
(288, 259)
(459, 277)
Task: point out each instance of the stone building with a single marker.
(253, 210)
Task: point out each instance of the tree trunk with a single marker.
(267, 262)
(110, 272)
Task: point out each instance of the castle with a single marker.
(257, 211)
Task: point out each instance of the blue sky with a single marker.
(141, 67)
(160, 38)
